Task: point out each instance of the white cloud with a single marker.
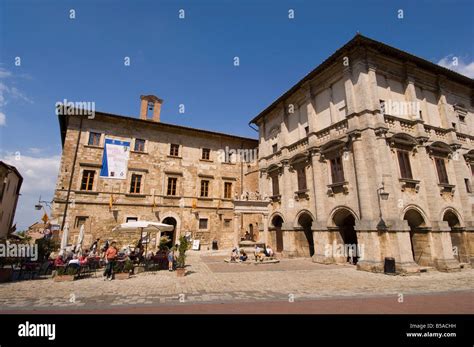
(3, 119)
(458, 64)
(39, 178)
(7, 92)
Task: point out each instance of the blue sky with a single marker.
(186, 61)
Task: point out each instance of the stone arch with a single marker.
(177, 230)
(304, 221)
(419, 236)
(336, 211)
(451, 210)
(276, 222)
(343, 221)
(459, 243)
(419, 210)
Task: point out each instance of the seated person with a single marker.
(269, 251)
(59, 261)
(243, 255)
(259, 255)
(235, 255)
(74, 263)
(83, 258)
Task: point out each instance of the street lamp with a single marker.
(41, 203)
(381, 194)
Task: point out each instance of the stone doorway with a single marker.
(419, 238)
(170, 234)
(277, 223)
(345, 221)
(306, 222)
(457, 237)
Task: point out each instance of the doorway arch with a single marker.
(277, 223)
(420, 245)
(171, 234)
(305, 221)
(344, 220)
(456, 234)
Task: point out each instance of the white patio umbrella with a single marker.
(146, 226)
(65, 237)
(80, 239)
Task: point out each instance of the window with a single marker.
(454, 125)
(206, 154)
(204, 188)
(441, 168)
(139, 145)
(131, 219)
(174, 150)
(80, 221)
(227, 190)
(301, 174)
(87, 179)
(337, 171)
(468, 185)
(227, 222)
(420, 113)
(275, 148)
(404, 163)
(462, 118)
(306, 130)
(382, 106)
(275, 185)
(135, 184)
(172, 183)
(94, 139)
(202, 223)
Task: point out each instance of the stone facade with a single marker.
(108, 202)
(10, 184)
(373, 148)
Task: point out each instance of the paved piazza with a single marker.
(210, 280)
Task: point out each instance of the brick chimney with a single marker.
(150, 103)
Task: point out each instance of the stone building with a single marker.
(10, 184)
(371, 155)
(172, 174)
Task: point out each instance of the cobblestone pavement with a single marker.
(210, 280)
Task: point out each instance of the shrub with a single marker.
(183, 247)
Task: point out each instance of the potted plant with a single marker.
(181, 261)
(65, 274)
(123, 271)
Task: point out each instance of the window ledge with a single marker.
(445, 188)
(227, 163)
(302, 194)
(93, 146)
(174, 156)
(409, 183)
(275, 198)
(171, 197)
(138, 152)
(135, 195)
(205, 198)
(207, 160)
(87, 192)
(338, 187)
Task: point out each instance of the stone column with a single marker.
(401, 247)
(443, 249)
(265, 229)
(236, 229)
(322, 244)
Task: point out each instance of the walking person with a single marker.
(170, 259)
(110, 258)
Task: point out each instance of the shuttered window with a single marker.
(337, 171)
(441, 168)
(404, 163)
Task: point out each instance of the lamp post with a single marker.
(381, 194)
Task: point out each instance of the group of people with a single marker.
(260, 254)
